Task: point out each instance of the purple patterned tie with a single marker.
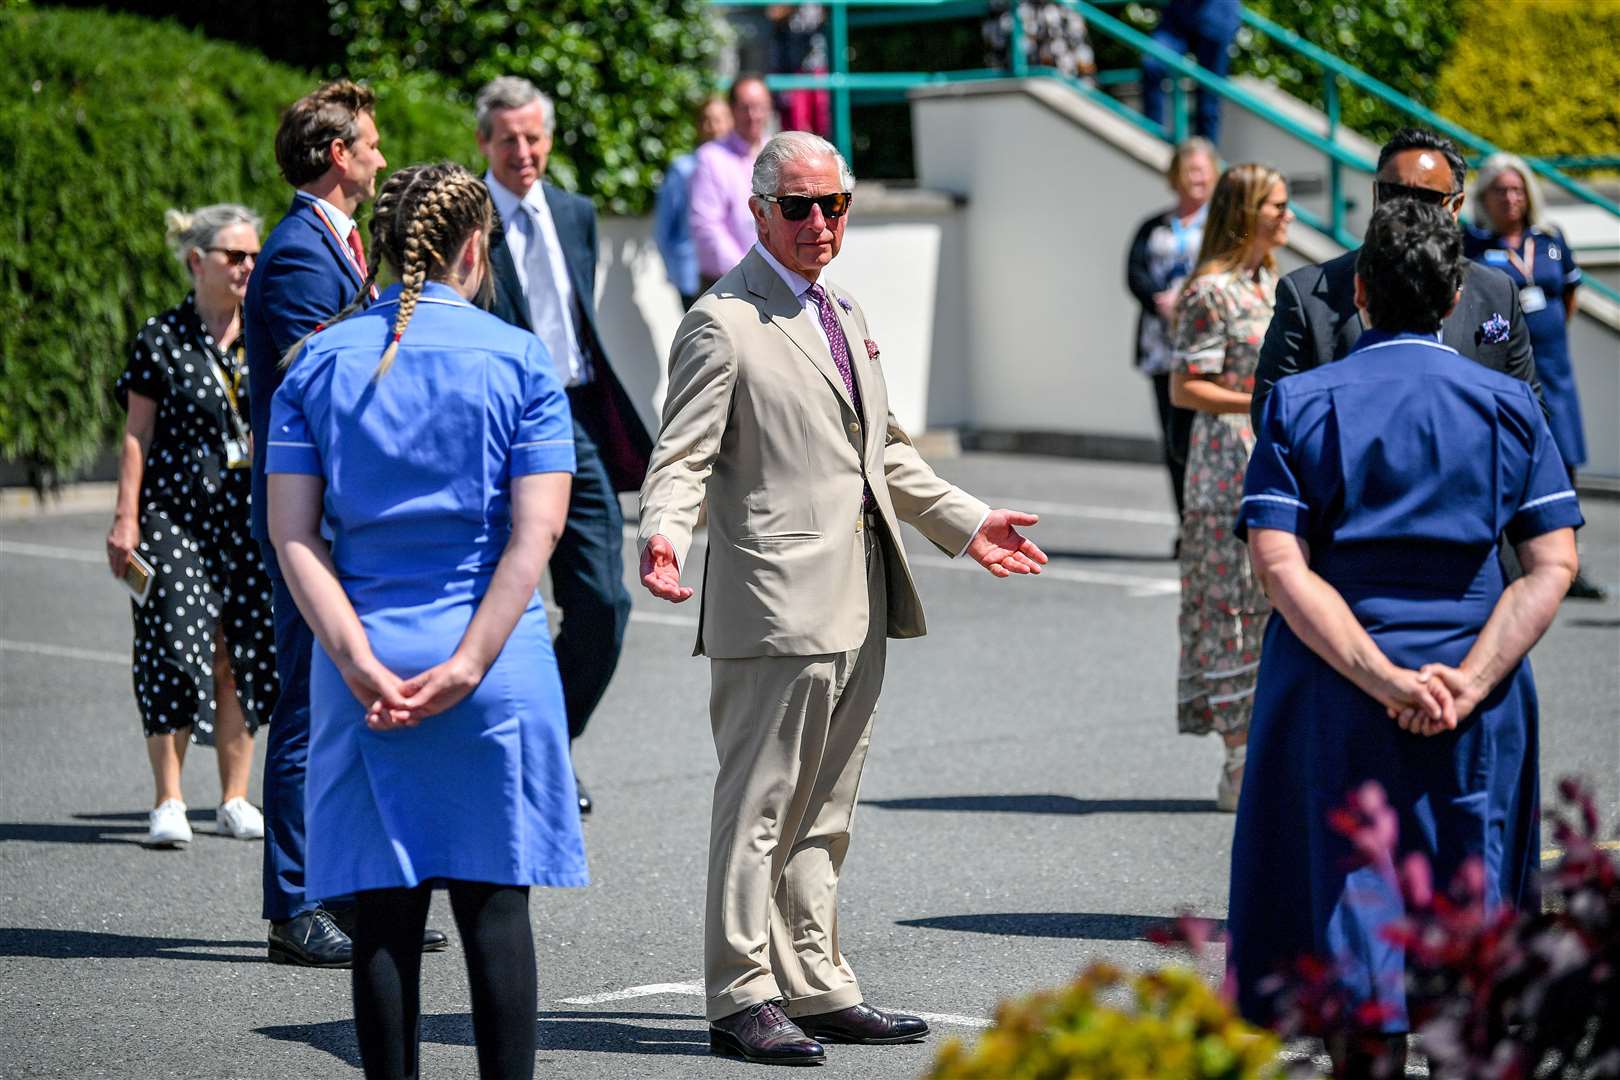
(840, 354)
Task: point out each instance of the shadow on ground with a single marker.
(594, 1032)
(128, 827)
(1045, 804)
(1084, 925)
(89, 944)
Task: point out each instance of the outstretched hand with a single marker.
(659, 571)
(1001, 549)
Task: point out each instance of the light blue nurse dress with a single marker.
(1401, 466)
(418, 467)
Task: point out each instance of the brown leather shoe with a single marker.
(763, 1033)
(864, 1024)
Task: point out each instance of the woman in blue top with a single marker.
(1372, 506)
(1513, 239)
(438, 745)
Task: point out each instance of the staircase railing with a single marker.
(845, 86)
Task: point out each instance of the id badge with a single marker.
(236, 454)
(1532, 298)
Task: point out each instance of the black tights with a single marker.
(499, 947)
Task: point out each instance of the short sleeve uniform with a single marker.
(209, 576)
(417, 467)
(1553, 273)
(1401, 467)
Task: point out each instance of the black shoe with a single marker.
(865, 1025)
(585, 804)
(432, 940)
(1582, 588)
(310, 940)
(763, 1034)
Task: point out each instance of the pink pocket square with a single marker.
(871, 350)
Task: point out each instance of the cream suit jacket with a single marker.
(758, 416)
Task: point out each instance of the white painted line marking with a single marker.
(686, 989)
(954, 1020)
(66, 652)
(1082, 510)
(1138, 584)
(662, 619)
(692, 989)
(41, 551)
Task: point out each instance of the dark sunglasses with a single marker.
(234, 256)
(797, 207)
(1391, 189)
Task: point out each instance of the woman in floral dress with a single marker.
(1221, 319)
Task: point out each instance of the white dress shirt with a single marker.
(531, 237)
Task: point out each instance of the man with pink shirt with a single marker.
(722, 224)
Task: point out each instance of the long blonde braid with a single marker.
(440, 206)
(422, 216)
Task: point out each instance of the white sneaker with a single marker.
(241, 819)
(167, 825)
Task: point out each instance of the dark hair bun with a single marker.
(1411, 261)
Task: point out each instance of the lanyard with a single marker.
(1527, 264)
(231, 386)
(1183, 235)
(342, 242)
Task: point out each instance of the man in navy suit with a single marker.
(312, 266)
(543, 255)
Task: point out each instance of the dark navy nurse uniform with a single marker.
(1400, 467)
(1553, 273)
(418, 467)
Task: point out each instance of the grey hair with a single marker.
(510, 92)
(1493, 167)
(186, 232)
(795, 146)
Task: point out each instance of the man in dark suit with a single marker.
(1316, 322)
(312, 266)
(543, 255)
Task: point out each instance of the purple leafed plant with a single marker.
(1493, 993)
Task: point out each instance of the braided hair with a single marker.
(423, 214)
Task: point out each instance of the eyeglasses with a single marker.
(1392, 189)
(234, 256)
(797, 207)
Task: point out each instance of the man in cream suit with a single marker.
(777, 411)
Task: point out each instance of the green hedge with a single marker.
(1539, 78)
(1404, 43)
(106, 120)
(626, 75)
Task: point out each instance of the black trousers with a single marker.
(499, 946)
(1175, 428)
(587, 579)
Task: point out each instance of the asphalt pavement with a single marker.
(1027, 808)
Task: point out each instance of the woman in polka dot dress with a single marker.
(204, 657)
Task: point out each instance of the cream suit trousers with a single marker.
(791, 733)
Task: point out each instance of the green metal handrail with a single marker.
(1334, 69)
(844, 85)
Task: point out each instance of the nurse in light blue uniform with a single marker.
(439, 746)
(1373, 504)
